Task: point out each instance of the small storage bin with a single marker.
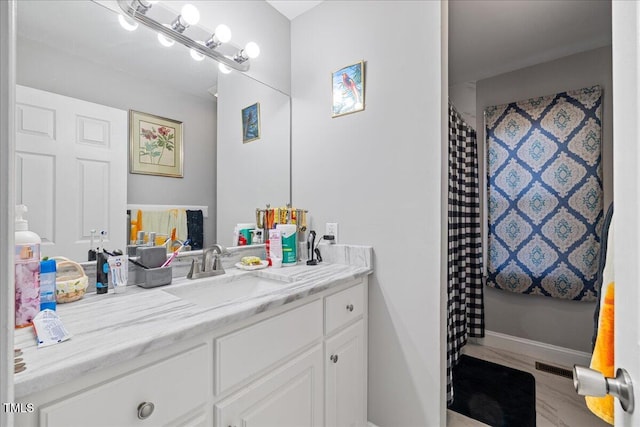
(152, 256)
(153, 277)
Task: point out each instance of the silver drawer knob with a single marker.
(334, 358)
(145, 409)
(350, 307)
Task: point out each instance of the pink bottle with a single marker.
(27, 263)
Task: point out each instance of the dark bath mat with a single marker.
(494, 394)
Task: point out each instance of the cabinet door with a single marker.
(290, 396)
(345, 363)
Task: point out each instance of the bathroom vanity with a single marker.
(290, 352)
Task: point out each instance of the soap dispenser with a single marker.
(27, 270)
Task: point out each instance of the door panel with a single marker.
(290, 396)
(345, 371)
(71, 167)
(626, 107)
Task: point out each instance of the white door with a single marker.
(345, 371)
(290, 396)
(626, 119)
(71, 171)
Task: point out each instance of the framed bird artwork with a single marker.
(251, 123)
(348, 89)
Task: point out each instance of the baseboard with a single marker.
(549, 353)
(370, 424)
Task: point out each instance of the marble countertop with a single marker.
(112, 328)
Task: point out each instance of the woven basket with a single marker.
(71, 282)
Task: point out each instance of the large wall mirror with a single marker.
(79, 50)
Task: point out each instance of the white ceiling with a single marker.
(491, 37)
(293, 8)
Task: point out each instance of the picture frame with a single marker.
(348, 89)
(251, 123)
(155, 145)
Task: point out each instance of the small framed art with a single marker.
(251, 123)
(348, 89)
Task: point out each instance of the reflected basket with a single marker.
(71, 281)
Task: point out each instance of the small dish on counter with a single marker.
(263, 264)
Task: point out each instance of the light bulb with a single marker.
(252, 50)
(164, 40)
(223, 33)
(223, 68)
(190, 14)
(197, 56)
(127, 24)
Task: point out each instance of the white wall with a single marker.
(80, 78)
(257, 173)
(252, 174)
(463, 98)
(378, 174)
(559, 322)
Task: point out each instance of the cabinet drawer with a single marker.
(343, 307)
(251, 350)
(175, 387)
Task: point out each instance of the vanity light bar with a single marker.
(168, 32)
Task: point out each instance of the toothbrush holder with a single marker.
(154, 277)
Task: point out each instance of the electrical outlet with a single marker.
(332, 228)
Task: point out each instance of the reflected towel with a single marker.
(195, 225)
(602, 358)
(163, 222)
(136, 224)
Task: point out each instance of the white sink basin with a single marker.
(217, 291)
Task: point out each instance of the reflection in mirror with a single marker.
(258, 168)
(80, 51)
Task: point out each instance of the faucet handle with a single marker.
(195, 269)
(217, 262)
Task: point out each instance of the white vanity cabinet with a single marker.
(323, 386)
(159, 394)
(301, 364)
(346, 357)
(290, 396)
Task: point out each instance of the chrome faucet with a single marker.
(207, 268)
(217, 251)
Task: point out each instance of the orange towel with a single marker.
(602, 359)
(136, 225)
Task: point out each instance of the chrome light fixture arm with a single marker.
(134, 14)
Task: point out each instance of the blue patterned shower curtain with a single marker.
(545, 204)
(465, 310)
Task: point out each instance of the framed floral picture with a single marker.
(251, 123)
(348, 89)
(155, 145)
